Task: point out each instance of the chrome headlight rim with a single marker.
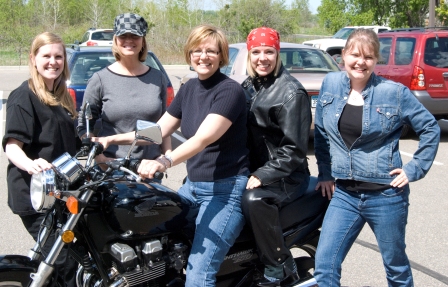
(42, 188)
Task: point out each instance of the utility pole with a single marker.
(432, 13)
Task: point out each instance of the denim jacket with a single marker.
(387, 107)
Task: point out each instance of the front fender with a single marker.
(10, 263)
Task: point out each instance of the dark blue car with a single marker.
(84, 61)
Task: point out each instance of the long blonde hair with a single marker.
(36, 83)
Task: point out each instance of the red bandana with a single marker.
(263, 36)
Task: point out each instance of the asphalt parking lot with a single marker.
(427, 232)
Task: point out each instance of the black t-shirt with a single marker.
(218, 95)
(350, 127)
(46, 132)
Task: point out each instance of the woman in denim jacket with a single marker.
(358, 123)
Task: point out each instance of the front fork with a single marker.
(46, 267)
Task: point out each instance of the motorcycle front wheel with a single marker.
(15, 278)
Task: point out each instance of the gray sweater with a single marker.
(118, 101)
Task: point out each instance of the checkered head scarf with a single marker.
(130, 23)
(263, 36)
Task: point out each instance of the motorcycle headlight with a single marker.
(41, 190)
(68, 167)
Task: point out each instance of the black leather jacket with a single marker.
(279, 119)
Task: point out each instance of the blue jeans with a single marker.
(386, 212)
(219, 221)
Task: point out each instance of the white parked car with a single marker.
(97, 37)
(335, 44)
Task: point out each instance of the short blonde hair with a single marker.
(141, 55)
(363, 39)
(251, 72)
(200, 34)
(59, 95)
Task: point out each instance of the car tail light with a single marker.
(169, 96)
(418, 79)
(91, 43)
(73, 95)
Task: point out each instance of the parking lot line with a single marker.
(411, 155)
(178, 137)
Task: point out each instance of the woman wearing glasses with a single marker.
(211, 111)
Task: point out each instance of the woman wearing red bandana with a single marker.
(279, 120)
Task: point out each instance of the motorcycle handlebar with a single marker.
(135, 163)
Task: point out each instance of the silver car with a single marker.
(307, 64)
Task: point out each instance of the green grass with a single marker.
(12, 58)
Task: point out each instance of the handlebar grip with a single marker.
(99, 149)
(134, 164)
(158, 175)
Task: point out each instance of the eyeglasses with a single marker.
(209, 53)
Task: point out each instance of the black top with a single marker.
(216, 95)
(350, 127)
(350, 124)
(46, 132)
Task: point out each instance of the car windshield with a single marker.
(103, 35)
(436, 52)
(343, 33)
(86, 64)
(299, 60)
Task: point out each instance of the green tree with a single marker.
(376, 12)
(442, 12)
(15, 26)
(244, 15)
(332, 15)
(409, 13)
(298, 16)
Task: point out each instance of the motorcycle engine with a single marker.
(126, 261)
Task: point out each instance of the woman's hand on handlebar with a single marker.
(148, 168)
(326, 187)
(102, 140)
(101, 159)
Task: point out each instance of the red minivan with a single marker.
(418, 58)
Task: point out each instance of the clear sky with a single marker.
(313, 5)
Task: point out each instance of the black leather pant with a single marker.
(261, 209)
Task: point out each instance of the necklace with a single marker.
(355, 98)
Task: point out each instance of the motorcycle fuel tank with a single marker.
(141, 209)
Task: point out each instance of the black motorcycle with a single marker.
(123, 231)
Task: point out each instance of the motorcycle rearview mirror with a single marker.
(148, 131)
(88, 116)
